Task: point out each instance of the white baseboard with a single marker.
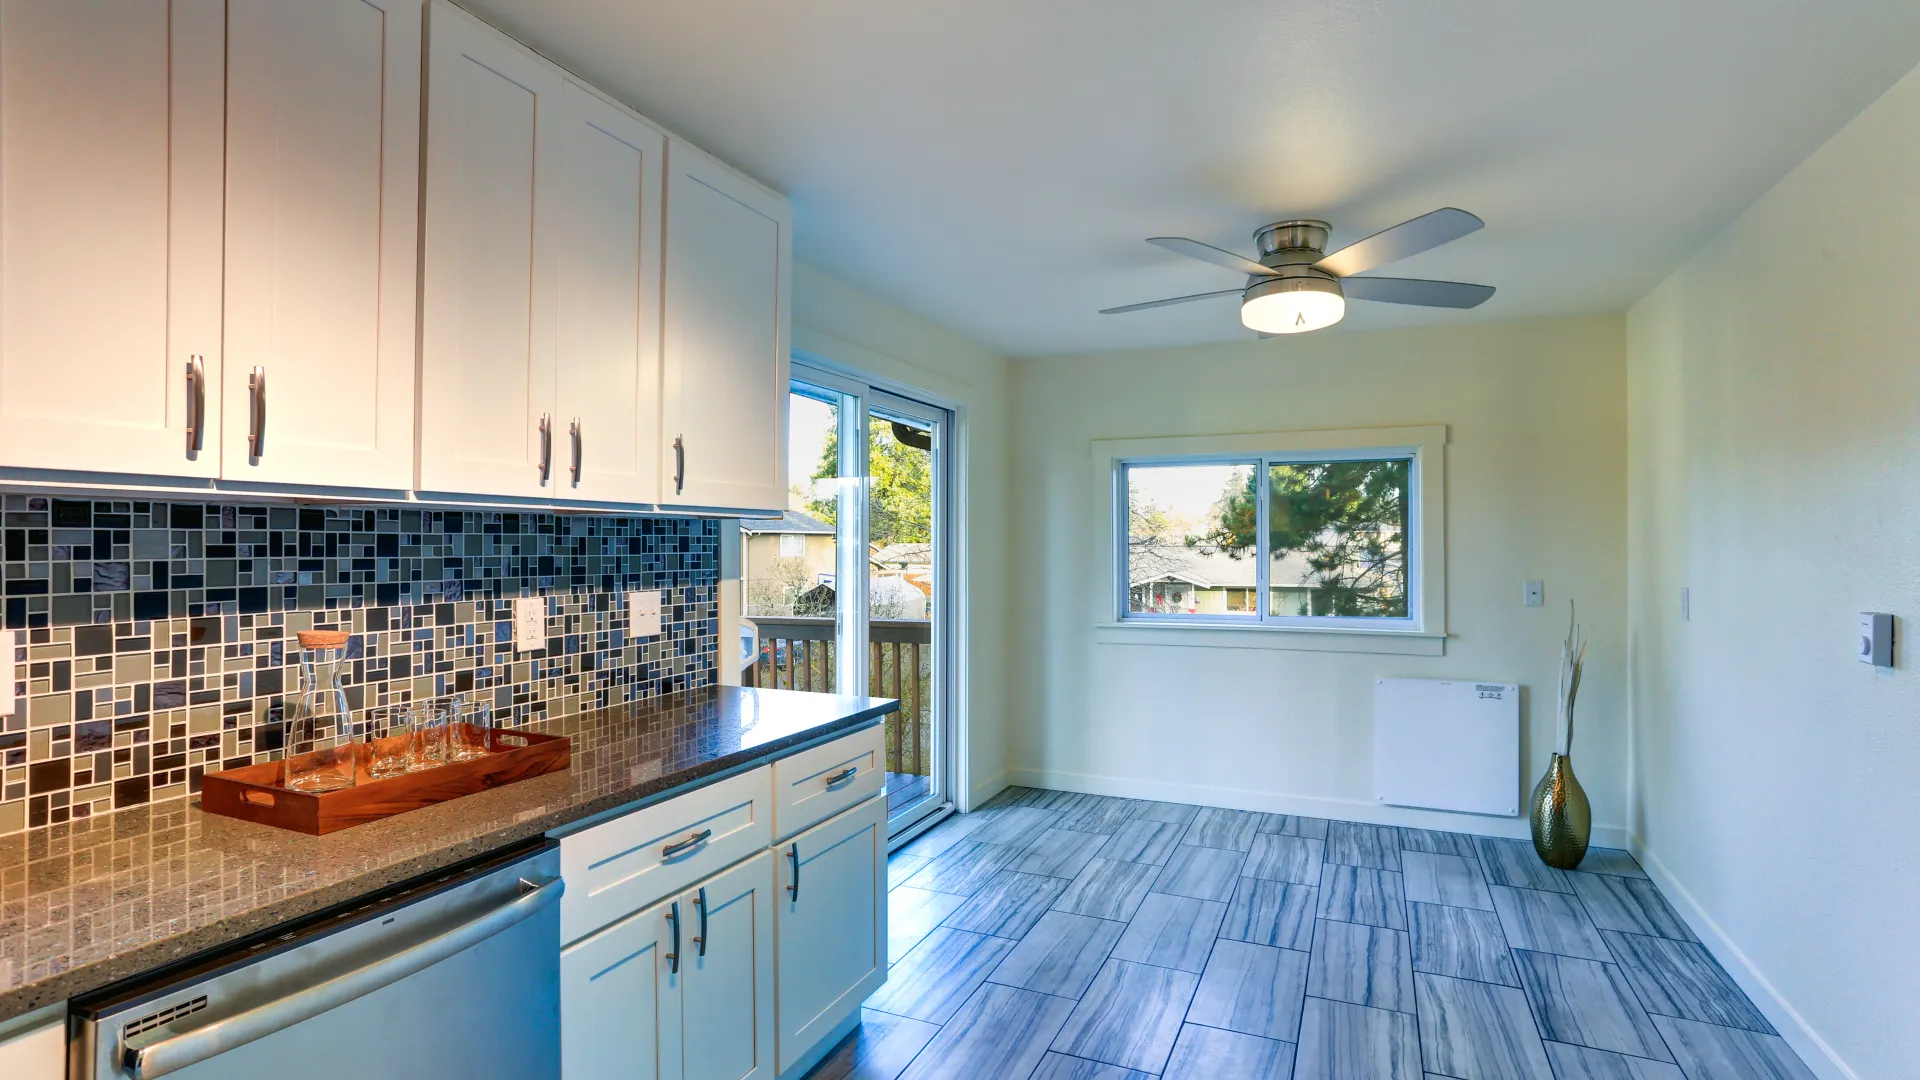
(1814, 1050)
(1514, 828)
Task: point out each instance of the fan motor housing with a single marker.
(1286, 242)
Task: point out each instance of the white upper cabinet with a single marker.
(608, 368)
(728, 265)
(322, 155)
(487, 288)
(110, 225)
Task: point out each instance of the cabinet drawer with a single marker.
(815, 784)
(615, 869)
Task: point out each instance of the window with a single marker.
(793, 546)
(1328, 539)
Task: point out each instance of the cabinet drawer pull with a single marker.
(793, 855)
(196, 403)
(679, 464)
(843, 775)
(700, 905)
(546, 448)
(693, 841)
(673, 924)
(577, 448)
(257, 417)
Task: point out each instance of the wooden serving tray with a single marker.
(253, 792)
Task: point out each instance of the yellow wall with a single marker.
(1536, 489)
(1774, 471)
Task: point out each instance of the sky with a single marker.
(1185, 492)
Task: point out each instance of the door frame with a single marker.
(951, 619)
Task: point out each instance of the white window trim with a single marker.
(1423, 633)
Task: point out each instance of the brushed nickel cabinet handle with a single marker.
(673, 923)
(843, 775)
(577, 450)
(793, 854)
(692, 841)
(257, 416)
(679, 464)
(546, 447)
(700, 905)
(196, 403)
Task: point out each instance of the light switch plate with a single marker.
(1876, 638)
(1533, 594)
(6, 672)
(643, 613)
(529, 623)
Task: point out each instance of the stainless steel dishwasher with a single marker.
(453, 975)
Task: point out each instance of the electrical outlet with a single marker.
(1533, 594)
(529, 623)
(643, 613)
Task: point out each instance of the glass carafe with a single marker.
(321, 751)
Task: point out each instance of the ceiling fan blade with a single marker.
(1171, 300)
(1405, 239)
(1417, 291)
(1194, 249)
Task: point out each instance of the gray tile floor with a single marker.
(1058, 936)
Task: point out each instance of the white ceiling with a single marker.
(993, 165)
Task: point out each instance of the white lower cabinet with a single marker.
(36, 1050)
(742, 970)
(680, 991)
(831, 925)
(620, 1001)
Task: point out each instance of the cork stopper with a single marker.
(322, 639)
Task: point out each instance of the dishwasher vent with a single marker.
(164, 1016)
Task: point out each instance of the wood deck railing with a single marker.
(797, 653)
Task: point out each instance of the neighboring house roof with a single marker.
(1209, 569)
(793, 521)
(908, 554)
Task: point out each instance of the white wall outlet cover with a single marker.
(1534, 594)
(1876, 638)
(529, 623)
(643, 613)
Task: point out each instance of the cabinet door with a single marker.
(727, 994)
(620, 999)
(725, 380)
(487, 425)
(832, 931)
(110, 219)
(609, 302)
(323, 170)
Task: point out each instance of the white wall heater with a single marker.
(1445, 745)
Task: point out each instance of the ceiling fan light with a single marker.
(1292, 305)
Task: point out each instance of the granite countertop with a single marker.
(89, 902)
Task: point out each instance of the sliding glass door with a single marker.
(848, 591)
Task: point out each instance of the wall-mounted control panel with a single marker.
(529, 623)
(643, 613)
(1876, 638)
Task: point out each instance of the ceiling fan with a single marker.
(1295, 287)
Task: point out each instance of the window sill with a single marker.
(1288, 638)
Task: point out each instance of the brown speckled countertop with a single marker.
(89, 902)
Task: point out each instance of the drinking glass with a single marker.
(470, 727)
(387, 755)
(429, 727)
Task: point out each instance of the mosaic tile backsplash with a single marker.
(155, 640)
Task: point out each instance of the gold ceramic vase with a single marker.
(1562, 818)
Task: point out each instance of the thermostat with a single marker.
(1876, 638)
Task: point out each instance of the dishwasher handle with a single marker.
(192, 1047)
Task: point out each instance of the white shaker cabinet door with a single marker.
(110, 226)
(323, 168)
(608, 294)
(620, 999)
(487, 421)
(728, 262)
(831, 924)
(727, 1030)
